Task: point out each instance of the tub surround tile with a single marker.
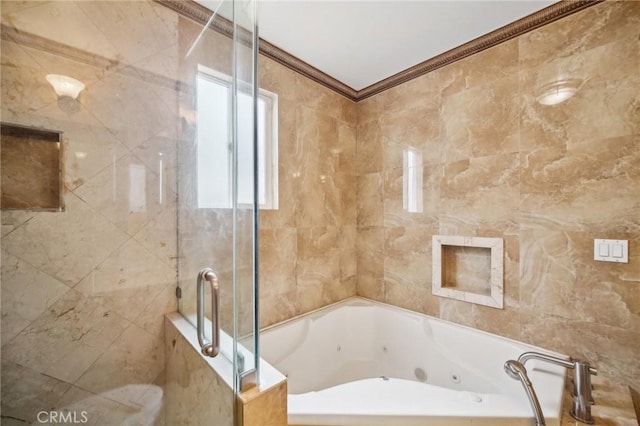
(26, 294)
(151, 318)
(278, 267)
(370, 205)
(395, 213)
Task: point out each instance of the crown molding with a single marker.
(201, 14)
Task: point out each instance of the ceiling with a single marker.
(361, 42)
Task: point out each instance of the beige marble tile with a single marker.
(318, 256)
(128, 193)
(62, 22)
(195, 394)
(395, 201)
(593, 27)
(159, 235)
(25, 392)
(369, 143)
(576, 187)
(129, 107)
(152, 317)
(268, 407)
(24, 87)
(150, 28)
(135, 357)
(13, 219)
(481, 121)
(370, 262)
(370, 200)
(480, 192)
(67, 339)
(26, 294)
(127, 281)
(278, 258)
(83, 239)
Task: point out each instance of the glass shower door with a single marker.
(216, 214)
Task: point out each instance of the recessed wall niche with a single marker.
(469, 269)
(31, 169)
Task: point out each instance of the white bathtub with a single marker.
(360, 362)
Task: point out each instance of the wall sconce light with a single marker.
(65, 86)
(558, 91)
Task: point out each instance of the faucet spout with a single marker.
(582, 371)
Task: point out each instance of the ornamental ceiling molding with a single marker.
(201, 14)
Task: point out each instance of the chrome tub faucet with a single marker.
(582, 371)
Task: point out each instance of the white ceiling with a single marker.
(362, 42)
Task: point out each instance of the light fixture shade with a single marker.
(558, 91)
(65, 86)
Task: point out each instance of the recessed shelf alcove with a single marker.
(469, 269)
(31, 169)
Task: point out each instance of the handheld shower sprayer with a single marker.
(516, 371)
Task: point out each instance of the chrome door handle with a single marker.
(209, 348)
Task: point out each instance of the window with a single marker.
(214, 163)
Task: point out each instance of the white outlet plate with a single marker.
(611, 250)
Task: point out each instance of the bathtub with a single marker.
(360, 362)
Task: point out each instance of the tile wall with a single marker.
(546, 179)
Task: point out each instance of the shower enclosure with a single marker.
(127, 167)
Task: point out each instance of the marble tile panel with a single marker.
(310, 296)
(323, 100)
(560, 278)
(396, 212)
(481, 121)
(149, 28)
(83, 239)
(575, 188)
(13, 219)
(63, 22)
(159, 154)
(407, 268)
(480, 192)
(369, 148)
(18, 5)
(346, 148)
(127, 193)
(159, 236)
(496, 63)
(347, 243)
(318, 255)
(420, 92)
(593, 27)
(135, 357)
(67, 339)
(416, 128)
(128, 280)
(502, 322)
(25, 392)
(26, 294)
(370, 262)
(128, 107)
(195, 394)
(345, 192)
(370, 200)
(152, 317)
(278, 259)
(277, 78)
(24, 87)
(274, 309)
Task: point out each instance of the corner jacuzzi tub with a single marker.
(360, 362)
